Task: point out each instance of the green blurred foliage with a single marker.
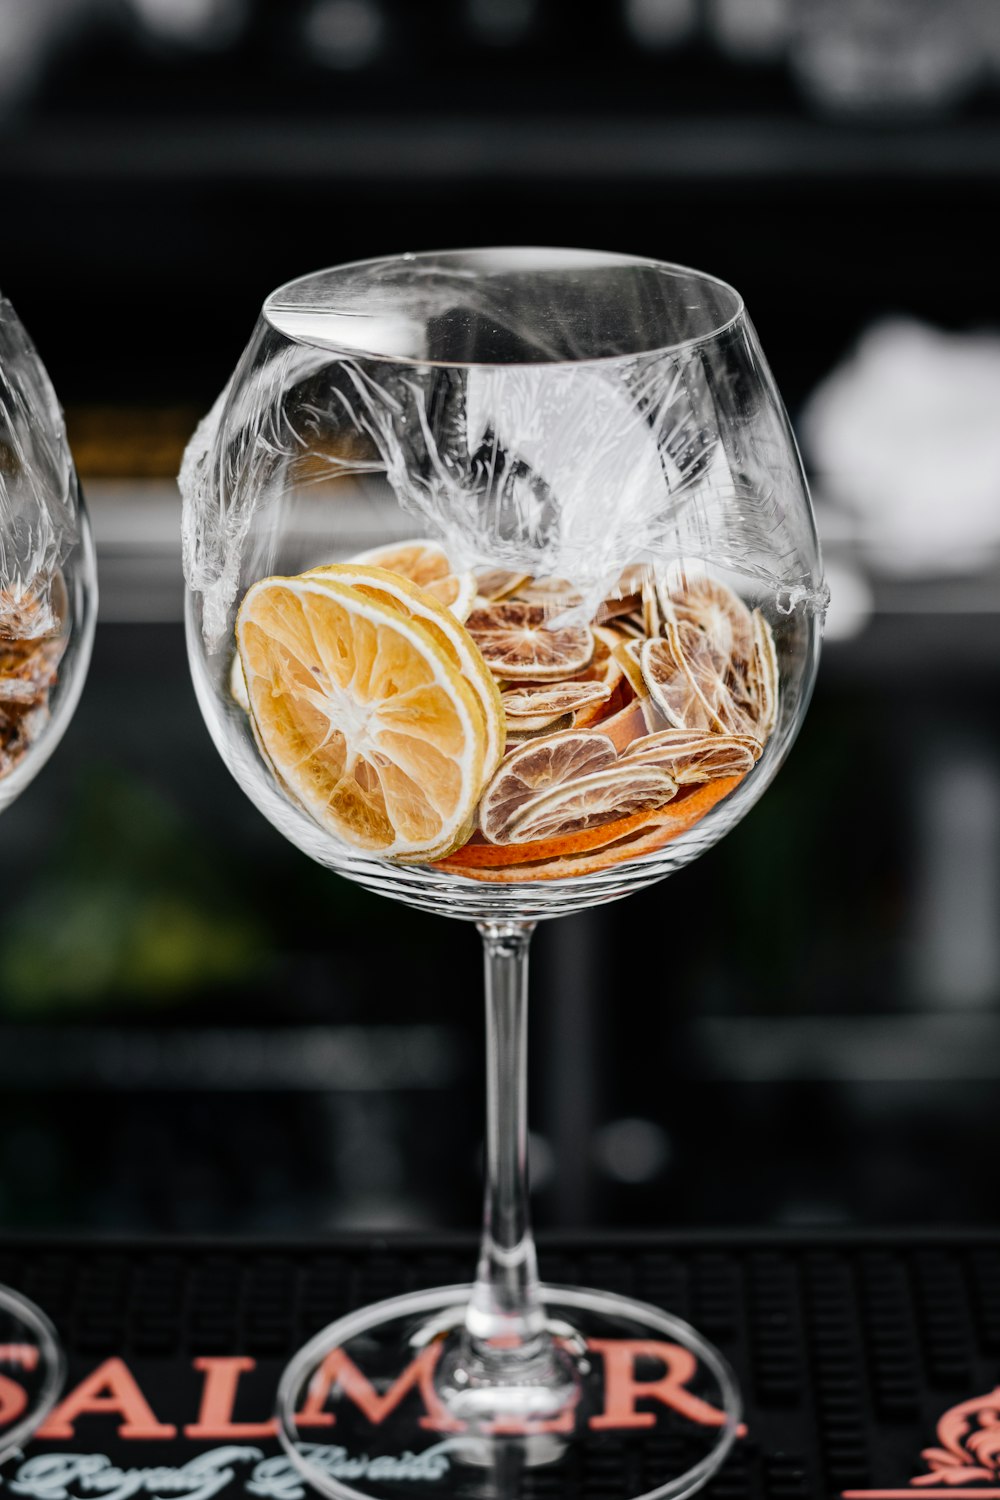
(130, 904)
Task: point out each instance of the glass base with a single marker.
(370, 1407)
(32, 1370)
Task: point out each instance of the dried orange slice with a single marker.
(428, 566)
(497, 583)
(540, 765)
(624, 841)
(590, 801)
(516, 644)
(695, 598)
(363, 714)
(451, 634)
(692, 756)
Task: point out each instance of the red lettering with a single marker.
(218, 1398)
(111, 1388)
(622, 1390)
(338, 1370)
(13, 1400)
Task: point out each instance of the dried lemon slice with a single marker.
(363, 714)
(497, 583)
(555, 593)
(451, 634)
(695, 598)
(428, 566)
(540, 766)
(238, 683)
(516, 645)
(764, 674)
(692, 756)
(587, 802)
(534, 699)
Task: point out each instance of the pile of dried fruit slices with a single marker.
(466, 719)
(29, 669)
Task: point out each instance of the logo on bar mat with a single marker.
(643, 1379)
(967, 1460)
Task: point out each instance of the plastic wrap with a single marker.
(477, 462)
(38, 498)
(563, 469)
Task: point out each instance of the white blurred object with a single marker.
(344, 34)
(889, 56)
(632, 1150)
(661, 23)
(29, 34)
(192, 23)
(906, 435)
(751, 30)
(852, 601)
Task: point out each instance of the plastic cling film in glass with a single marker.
(39, 519)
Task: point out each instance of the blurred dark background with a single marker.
(199, 1031)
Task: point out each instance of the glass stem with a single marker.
(505, 1314)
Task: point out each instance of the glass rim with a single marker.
(514, 253)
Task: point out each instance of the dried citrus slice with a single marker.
(451, 634)
(589, 801)
(692, 756)
(238, 683)
(695, 598)
(687, 684)
(627, 655)
(497, 583)
(555, 593)
(363, 714)
(519, 730)
(540, 765)
(764, 675)
(531, 699)
(652, 615)
(428, 566)
(623, 841)
(516, 644)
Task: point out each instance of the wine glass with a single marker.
(504, 600)
(48, 609)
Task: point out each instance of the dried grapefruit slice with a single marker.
(451, 634)
(516, 645)
(692, 756)
(427, 565)
(363, 714)
(590, 801)
(540, 765)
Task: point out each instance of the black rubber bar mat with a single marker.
(869, 1367)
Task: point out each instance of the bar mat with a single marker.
(869, 1367)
